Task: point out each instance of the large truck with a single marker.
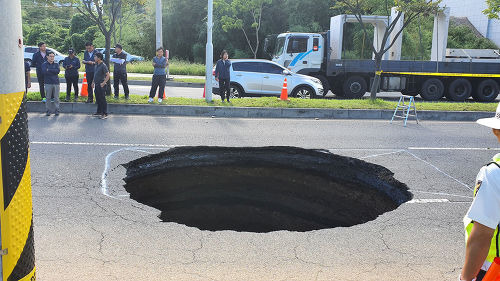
(456, 74)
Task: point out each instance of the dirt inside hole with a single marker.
(262, 189)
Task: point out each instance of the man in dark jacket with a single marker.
(223, 76)
(71, 65)
(51, 71)
(120, 71)
(88, 60)
(38, 59)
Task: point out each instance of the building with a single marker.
(473, 10)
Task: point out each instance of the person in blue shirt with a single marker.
(38, 59)
(223, 75)
(71, 65)
(51, 71)
(89, 61)
(159, 76)
(27, 76)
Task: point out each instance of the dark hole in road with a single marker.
(263, 189)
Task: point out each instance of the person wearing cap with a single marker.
(71, 65)
(483, 218)
(120, 71)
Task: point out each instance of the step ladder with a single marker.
(405, 105)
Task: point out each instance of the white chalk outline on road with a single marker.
(107, 166)
(137, 147)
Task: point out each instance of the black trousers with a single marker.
(71, 81)
(41, 83)
(100, 98)
(224, 88)
(117, 77)
(158, 81)
(481, 275)
(90, 79)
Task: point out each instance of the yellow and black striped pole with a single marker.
(16, 210)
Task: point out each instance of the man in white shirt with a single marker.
(483, 218)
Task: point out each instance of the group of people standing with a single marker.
(97, 74)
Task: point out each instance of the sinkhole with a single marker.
(262, 189)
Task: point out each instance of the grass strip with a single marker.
(272, 102)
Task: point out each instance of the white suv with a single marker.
(250, 77)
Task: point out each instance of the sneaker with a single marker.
(57, 113)
(160, 100)
(223, 101)
(104, 116)
(75, 99)
(96, 114)
(44, 100)
(66, 99)
(52, 100)
(150, 100)
(116, 97)
(89, 101)
(47, 113)
(127, 97)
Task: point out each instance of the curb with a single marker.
(255, 112)
(143, 83)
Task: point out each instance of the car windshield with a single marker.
(280, 43)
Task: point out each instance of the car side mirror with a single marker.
(286, 72)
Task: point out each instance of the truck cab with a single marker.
(301, 53)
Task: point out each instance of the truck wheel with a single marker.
(459, 90)
(355, 87)
(324, 82)
(486, 91)
(432, 89)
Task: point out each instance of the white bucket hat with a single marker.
(493, 122)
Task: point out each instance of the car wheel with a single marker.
(303, 92)
(235, 92)
(459, 90)
(432, 89)
(355, 87)
(486, 91)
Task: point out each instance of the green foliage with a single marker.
(462, 37)
(493, 10)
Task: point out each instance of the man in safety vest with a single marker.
(483, 218)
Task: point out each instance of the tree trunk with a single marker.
(107, 46)
(376, 78)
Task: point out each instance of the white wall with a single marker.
(473, 10)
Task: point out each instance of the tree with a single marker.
(243, 15)
(409, 9)
(493, 10)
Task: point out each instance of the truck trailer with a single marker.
(456, 74)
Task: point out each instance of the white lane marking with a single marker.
(454, 148)
(425, 201)
(442, 193)
(107, 166)
(437, 169)
(382, 154)
(143, 145)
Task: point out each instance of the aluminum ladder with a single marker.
(406, 105)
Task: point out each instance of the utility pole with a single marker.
(17, 255)
(209, 53)
(159, 40)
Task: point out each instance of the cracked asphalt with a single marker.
(86, 227)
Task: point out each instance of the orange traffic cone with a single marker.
(284, 91)
(84, 92)
(493, 273)
(204, 89)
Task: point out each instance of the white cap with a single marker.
(493, 122)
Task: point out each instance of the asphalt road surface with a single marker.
(86, 227)
(197, 93)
